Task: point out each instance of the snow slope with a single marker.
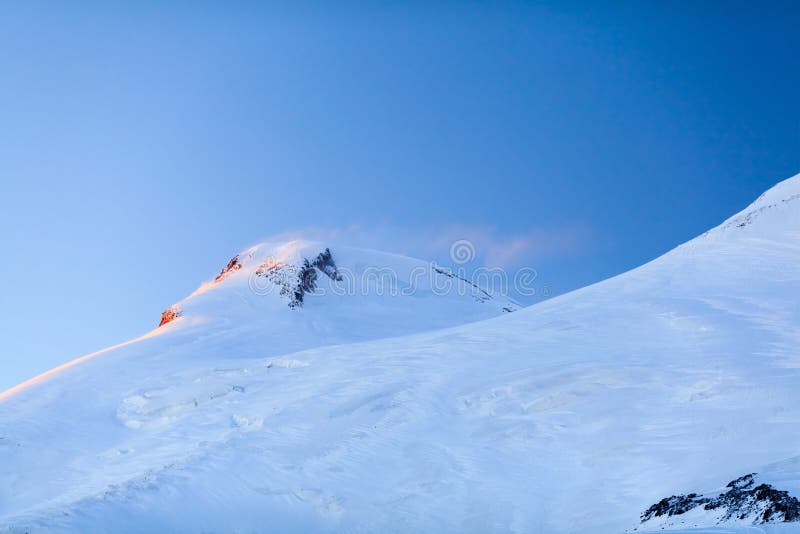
(574, 415)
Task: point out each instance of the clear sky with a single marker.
(142, 146)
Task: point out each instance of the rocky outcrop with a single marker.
(744, 501)
(170, 314)
(234, 264)
(324, 262)
(296, 281)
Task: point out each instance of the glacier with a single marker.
(412, 410)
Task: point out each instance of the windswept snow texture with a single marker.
(574, 415)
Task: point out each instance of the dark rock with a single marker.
(742, 482)
(324, 262)
(744, 500)
(478, 293)
(675, 505)
(233, 265)
(295, 281)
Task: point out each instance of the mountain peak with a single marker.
(339, 293)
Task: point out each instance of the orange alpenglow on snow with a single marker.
(169, 315)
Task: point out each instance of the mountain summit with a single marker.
(306, 293)
(272, 400)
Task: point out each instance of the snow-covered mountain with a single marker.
(300, 294)
(361, 410)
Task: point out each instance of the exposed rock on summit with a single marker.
(169, 315)
(295, 281)
(233, 265)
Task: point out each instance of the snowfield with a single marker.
(429, 412)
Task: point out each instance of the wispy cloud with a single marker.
(492, 247)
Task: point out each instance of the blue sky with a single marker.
(141, 146)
